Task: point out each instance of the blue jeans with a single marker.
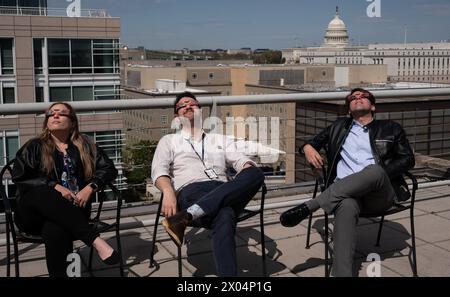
(222, 202)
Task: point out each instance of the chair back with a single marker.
(4, 178)
(6, 203)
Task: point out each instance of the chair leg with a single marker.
(8, 252)
(119, 248)
(155, 229)
(379, 231)
(16, 257)
(327, 248)
(308, 234)
(413, 238)
(263, 244)
(180, 272)
(91, 252)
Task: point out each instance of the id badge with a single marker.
(211, 173)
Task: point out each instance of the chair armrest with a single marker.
(413, 180)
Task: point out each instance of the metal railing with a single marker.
(149, 103)
(45, 11)
(153, 103)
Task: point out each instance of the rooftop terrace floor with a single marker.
(287, 256)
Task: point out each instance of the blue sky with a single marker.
(196, 24)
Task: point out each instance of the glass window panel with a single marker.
(8, 95)
(60, 94)
(81, 70)
(29, 3)
(59, 71)
(103, 60)
(37, 48)
(39, 94)
(104, 46)
(103, 70)
(8, 2)
(12, 145)
(105, 93)
(58, 53)
(81, 53)
(6, 55)
(82, 93)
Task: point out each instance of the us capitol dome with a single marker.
(336, 34)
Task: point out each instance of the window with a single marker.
(106, 55)
(9, 145)
(211, 75)
(194, 75)
(83, 94)
(60, 94)
(164, 119)
(58, 56)
(37, 55)
(81, 56)
(111, 142)
(39, 94)
(8, 95)
(6, 56)
(106, 93)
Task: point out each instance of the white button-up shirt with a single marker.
(178, 156)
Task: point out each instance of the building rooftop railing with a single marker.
(151, 103)
(45, 11)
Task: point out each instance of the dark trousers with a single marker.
(370, 191)
(43, 211)
(222, 202)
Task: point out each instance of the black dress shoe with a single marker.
(113, 259)
(294, 216)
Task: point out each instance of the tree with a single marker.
(269, 57)
(137, 161)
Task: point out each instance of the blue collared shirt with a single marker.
(356, 152)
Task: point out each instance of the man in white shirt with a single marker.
(189, 168)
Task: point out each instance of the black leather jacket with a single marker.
(389, 144)
(27, 171)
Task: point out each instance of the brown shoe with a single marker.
(176, 225)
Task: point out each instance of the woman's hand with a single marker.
(83, 196)
(66, 193)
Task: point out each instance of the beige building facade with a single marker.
(55, 58)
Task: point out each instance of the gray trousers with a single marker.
(369, 190)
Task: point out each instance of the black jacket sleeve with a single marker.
(105, 171)
(404, 156)
(319, 141)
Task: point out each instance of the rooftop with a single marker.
(52, 11)
(287, 256)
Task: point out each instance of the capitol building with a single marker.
(412, 62)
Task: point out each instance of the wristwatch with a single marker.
(94, 186)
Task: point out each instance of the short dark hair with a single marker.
(181, 96)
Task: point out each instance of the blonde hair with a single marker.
(81, 142)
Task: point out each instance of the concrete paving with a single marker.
(285, 247)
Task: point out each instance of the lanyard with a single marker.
(202, 158)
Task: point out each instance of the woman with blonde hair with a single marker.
(56, 175)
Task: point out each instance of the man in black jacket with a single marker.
(366, 159)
